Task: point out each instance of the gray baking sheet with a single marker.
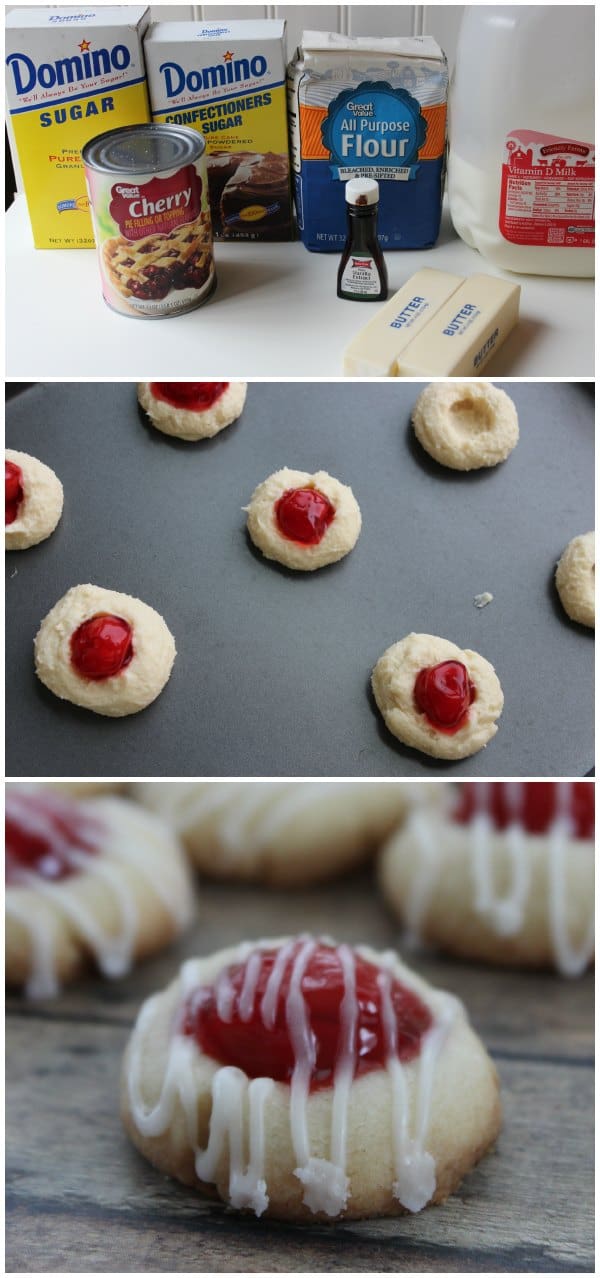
(272, 672)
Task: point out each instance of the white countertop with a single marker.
(274, 314)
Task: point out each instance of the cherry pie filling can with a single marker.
(149, 202)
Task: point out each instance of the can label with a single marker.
(154, 239)
(547, 192)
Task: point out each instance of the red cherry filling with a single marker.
(102, 646)
(13, 491)
(195, 396)
(41, 831)
(443, 694)
(263, 1048)
(533, 804)
(304, 515)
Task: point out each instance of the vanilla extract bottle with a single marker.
(362, 275)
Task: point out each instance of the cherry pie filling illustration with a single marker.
(182, 262)
(304, 515)
(102, 646)
(261, 1045)
(42, 833)
(13, 491)
(196, 397)
(444, 693)
(534, 805)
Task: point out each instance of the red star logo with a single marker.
(228, 57)
(84, 47)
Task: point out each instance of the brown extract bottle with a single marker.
(362, 275)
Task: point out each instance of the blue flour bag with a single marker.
(367, 107)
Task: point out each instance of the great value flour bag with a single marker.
(368, 107)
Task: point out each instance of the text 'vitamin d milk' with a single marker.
(521, 158)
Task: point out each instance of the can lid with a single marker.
(143, 148)
(362, 191)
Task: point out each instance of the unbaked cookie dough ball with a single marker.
(244, 1079)
(576, 579)
(503, 874)
(192, 410)
(283, 833)
(103, 650)
(438, 698)
(466, 425)
(303, 521)
(33, 500)
(94, 881)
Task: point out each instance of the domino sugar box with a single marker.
(227, 81)
(70, 74)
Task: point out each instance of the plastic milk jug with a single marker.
(521, 156)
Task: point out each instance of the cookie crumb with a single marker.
(482, 601)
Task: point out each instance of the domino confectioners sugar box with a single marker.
(227, 80)
(70, 74)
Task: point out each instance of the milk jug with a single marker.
(521, 156)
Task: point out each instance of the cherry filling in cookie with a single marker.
(196, 397)
(443, 693)
(534, 805)
(13, 491)
(44, 836)
(262, 1018)
(102, 647)
(304, 515)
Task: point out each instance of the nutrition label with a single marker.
(547, 193)
(534, 198)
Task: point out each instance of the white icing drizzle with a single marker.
(247, 817)
(232, 1094)
(325, 1182)
(248, 992)
(225, 995)
(113, 952)
(505, 912)
(42, 982)
(415, 1168)
(571, 960)
(231, 1091)
(273, 986)
(423, 881)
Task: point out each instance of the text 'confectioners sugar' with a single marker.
(70, 74)
(370, 108)
(227, 81)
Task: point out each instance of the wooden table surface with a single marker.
(80, 1199)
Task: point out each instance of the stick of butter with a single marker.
(466, 331)
(374, 352)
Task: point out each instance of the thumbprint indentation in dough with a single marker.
(471, 415)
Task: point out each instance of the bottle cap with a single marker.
(362, 191)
